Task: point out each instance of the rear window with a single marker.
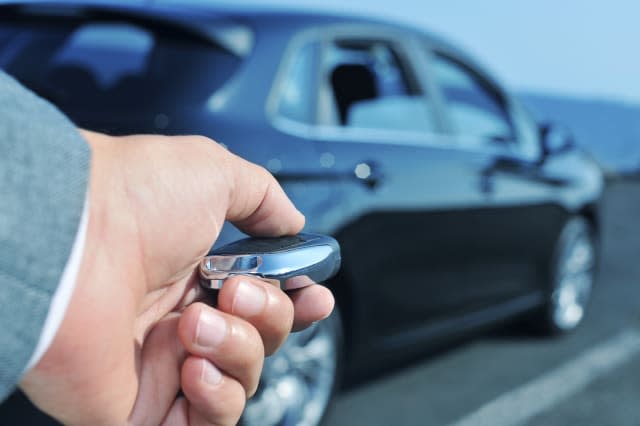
(105, 65)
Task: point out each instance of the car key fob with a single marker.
(289, 262)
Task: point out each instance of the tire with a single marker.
(571, 276)
(299, 381)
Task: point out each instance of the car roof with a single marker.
(200, 11)
(197, 13)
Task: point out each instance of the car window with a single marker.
(297, 94)
(472, 106)
(528, 132)
(372, 89)
(108, 52)
(101, 65)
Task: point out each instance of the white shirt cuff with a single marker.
(62, 296)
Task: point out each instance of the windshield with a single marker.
(105, 65)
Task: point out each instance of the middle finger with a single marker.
(230, 343)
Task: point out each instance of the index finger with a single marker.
(257, 203)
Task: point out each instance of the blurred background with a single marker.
(477, 161)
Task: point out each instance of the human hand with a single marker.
(132, 336)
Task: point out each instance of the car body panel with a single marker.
(439, 235)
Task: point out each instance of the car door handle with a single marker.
(487, 183)
(366, 172)
(524, 170)
(487, 173)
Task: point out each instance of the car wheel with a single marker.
(299, 380)
(572, 274)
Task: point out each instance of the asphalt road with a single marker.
(591, 377)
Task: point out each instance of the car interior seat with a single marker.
(352, 83)
(402, 113)
(73, 83)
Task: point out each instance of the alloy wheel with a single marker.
(297, 381)
(574, 279)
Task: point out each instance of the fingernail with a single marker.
(210, 374)
(211, 329)
(249, 299)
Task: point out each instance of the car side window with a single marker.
(297, 95)
(114, 66)
(528, 132)
(372, 89)
(473, 107)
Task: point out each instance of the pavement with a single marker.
(508, 377)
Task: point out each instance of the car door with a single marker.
(400, 186)
(513, 231)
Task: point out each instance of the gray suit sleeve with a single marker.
(44, 172)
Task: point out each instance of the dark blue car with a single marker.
(454, 209)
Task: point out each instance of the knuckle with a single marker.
(206, 148)
(250, 359)
(201, 140)
(221, 404)
(236, 403)
(281, 307)
(249, 342)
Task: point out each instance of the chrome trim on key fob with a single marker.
(288, 262)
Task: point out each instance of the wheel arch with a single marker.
(591, 212)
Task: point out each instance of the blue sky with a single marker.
(587, 48)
